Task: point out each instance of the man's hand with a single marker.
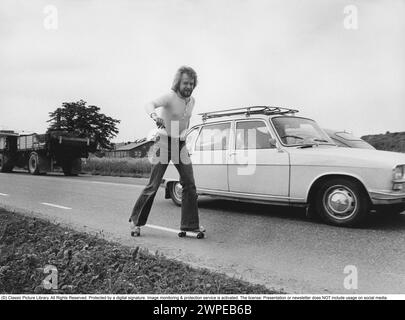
(159, 121)
(183, 135)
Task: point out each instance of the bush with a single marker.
(389, 141)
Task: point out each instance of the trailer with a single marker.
(42, 153)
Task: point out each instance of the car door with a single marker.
(256, 166)
(210, 156)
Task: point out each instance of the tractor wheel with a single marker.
(33, 163)
(72, 167)
(6, 165)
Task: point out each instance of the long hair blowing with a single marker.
(177, 78)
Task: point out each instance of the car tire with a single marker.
(5, 164)
(175, 192)
(342, 202)
(72, 167)
(33, 163)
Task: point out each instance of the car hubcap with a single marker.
(178, 191)
(340, 202)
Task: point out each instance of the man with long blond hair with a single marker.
(173, 121)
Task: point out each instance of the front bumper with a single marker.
(387, 198)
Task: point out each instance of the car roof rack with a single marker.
(266, 110)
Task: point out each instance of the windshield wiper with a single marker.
(308, 145)
(305, 145)
(292, 136)
(315, 140)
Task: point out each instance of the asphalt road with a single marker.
(274, 246)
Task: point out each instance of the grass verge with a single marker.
(87, 264)
(124, 167)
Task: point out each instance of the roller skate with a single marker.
(197, 233)
(135, 230)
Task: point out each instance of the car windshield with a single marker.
(295, 131)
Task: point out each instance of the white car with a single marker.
(290, 161)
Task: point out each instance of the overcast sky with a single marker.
(120, 54)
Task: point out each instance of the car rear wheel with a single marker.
(175, 191)
(342, 202)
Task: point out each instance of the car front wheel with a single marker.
(342, 202)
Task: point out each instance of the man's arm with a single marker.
(151, 109)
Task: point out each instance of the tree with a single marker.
(84, 121)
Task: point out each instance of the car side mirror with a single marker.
(273, 143)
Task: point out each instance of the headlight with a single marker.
(399, 172)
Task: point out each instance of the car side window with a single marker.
(213, 137)
(190, 139)
(252, 135)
